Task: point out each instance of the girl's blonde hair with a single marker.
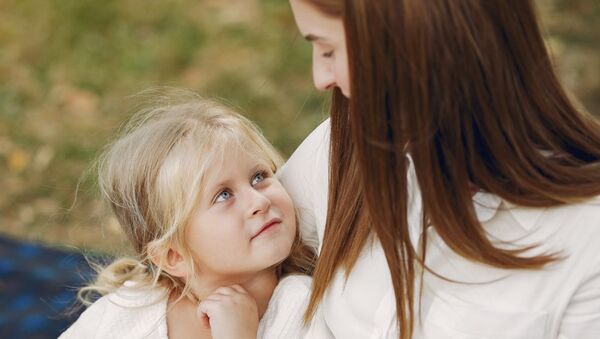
(153, 176)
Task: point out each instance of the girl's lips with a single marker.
(268, 225)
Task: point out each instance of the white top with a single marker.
(131, 312)
(561, 301)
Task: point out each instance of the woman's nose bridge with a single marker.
(322, 75)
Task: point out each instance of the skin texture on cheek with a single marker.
(222, 233)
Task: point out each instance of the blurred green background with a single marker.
(68, 69)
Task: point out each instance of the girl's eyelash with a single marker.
(266, 170)
(262, 172)
(214, 201)
(328, 54)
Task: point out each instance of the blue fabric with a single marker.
(38, 287)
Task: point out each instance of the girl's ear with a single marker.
(171, 262)
(175, 264)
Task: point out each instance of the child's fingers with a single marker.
(239, 289)
(205, 309)
(225, 290)
(204, 319)
(229, 291)
(215, 297)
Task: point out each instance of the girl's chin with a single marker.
(280, 255)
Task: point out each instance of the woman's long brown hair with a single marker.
(468, 89)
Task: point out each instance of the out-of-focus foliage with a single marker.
(68, 67)
(573, 35)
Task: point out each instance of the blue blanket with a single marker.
(38, 287)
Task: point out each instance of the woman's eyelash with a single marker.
(328, 54)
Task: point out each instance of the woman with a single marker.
(462, 183)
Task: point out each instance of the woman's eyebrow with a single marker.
(312, 37)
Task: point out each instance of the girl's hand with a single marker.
(230, 312)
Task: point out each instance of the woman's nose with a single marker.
(323, 76)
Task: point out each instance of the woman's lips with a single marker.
(268, 225)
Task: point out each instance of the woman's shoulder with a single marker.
(319, 136)
(293, 286)
(312, 151)
(582, 215)
(296, 282)
(578, 224)
(284, 315)
(305, 177)
(304, 171)
(572, 231)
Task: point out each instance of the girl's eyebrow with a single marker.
(214, 187)
(227, 181)
(210, 192)
(261, 166)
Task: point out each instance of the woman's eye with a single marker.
(257, 178)
(223, 196)
(328, 54)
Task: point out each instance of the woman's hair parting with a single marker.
(152, 176)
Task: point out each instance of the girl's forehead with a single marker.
(237, 156)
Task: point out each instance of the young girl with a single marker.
(214, 232)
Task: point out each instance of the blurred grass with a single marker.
(67, 68)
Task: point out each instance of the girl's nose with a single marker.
(259, 203)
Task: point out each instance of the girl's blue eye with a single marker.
(223, 196)
(257, 178)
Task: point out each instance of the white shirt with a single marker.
(560, 301)
(132, 312)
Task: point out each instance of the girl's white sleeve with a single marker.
(126, 313)
(305, 177)
(89, 322)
